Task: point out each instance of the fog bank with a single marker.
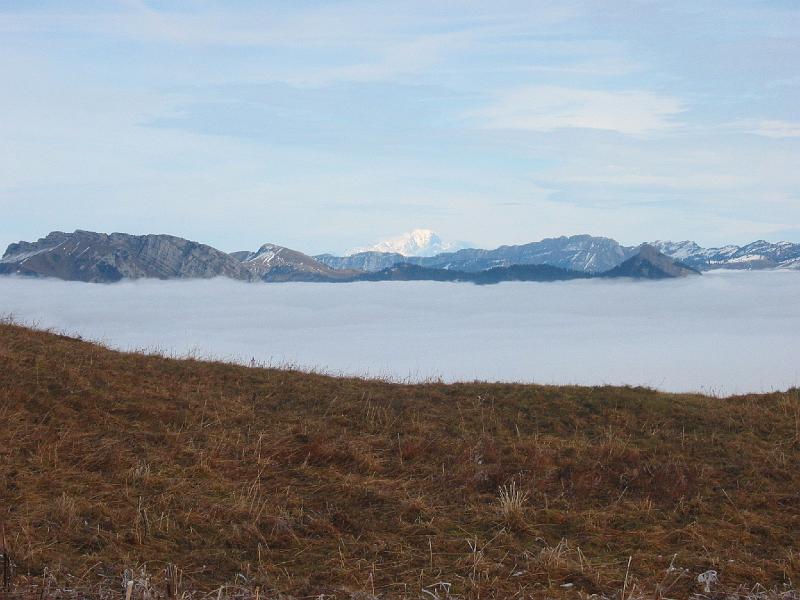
(722, 333)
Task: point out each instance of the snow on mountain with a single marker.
(277, 263)
(266, 255)
(756, 255)
(678, 250)
(576, 253)
(419, 242)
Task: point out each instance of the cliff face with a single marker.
(100, 257)
(366, 261)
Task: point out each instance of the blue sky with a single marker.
(327, 125)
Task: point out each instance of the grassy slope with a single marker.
(309, 484)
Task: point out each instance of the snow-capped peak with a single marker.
(678, 250)
(419, 242)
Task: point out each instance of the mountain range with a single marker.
(98, 257)
(581, 253)
(576, 253)
(756, 255)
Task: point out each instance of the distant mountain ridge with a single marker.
(582, 253)
(104, 258)
(410, 272)
(756, 255)
(100, 257)
(646, 263)
(576, 253)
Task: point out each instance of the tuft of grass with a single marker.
(512, 503)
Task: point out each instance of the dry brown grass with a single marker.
(303, 485)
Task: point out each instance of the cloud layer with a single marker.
(720, 333)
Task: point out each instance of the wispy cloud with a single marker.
(548, 108)
(773, 129)
(688, 182)
(326, 122)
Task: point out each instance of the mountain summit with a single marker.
(277, 263)
(418, 242)
(649, 263)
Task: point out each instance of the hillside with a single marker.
(310, 485)
(276, 263)
(410, 272)
(649, 263)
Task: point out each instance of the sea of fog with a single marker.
(723, 333)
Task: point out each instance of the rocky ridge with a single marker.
(756, 255)
(99, 257)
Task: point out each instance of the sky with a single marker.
(327, 125)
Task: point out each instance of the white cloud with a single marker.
(774, 129)
(548, 108)
(697, 181)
